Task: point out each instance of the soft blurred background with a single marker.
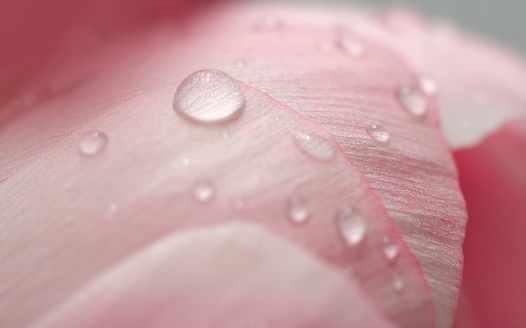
(500, 20)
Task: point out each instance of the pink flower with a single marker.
(250, 165)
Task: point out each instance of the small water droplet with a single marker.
(412, 100)
(398, 283)
(238, 204)
(268, 23)
(428, 85)
(351, 226)
(114, 208)
(314, 145)
(185, 161)
(209, 96)
(93, 143)
(240, 63)
(390, 249)
(351, 47)
(298, 213)
(378, 133)
(204, 191)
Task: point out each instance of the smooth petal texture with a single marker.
(479, 86)
(493, 179)
(345, 95)
(236, 275)
(96, 210)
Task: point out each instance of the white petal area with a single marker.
(235, 275)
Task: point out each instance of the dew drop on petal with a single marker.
(389, 249)
(298, 213)
(412, 100)
(93, 143)
(238, 204)
(351, 226)
(209, 96)
(351, 47)
(428, 85)
(114, 208)
(314, 145)
(398, 283)
(185, 161)
(203, 191)
(378, 133)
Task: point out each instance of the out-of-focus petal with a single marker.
(234, 276)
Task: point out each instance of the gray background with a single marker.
(503, 21)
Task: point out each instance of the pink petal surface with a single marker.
(493, 178)
(150, 168)
(479, 86)
(252, 279)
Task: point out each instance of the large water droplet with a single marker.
(378, 133)
(351, 47)
(351, 226)
(314, 145)
(412, 100)
(390, 249)
(398, 283)
(209, 96)
(93, 143)
(204, 191)
(428, 85)
(298, 213)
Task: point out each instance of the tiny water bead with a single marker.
(428, 85)
(389, 249)
(298, 213)
(398, 283)
(209, 96)
(185, 161)
(314, 145)
(351, 226)
(203, 191)
(351, 47)
(93, 143)
(412, 100)
(378, 133)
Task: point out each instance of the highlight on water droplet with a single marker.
(351, 46)
(412, 100)
(297, 211)
(114, 208)
(209, 96)
(378, 133)
(93, 143)
(314, 145)
(428, 85)
(389, 249)
(351, 226)
(203, 191)
(398, 283)
(240, 63)
(185, 161)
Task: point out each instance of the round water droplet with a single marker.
(185, 161)
(240, 63)
(93, 143)
(314, 145)
(114, 208)
(351, 47)
(428, 85)
(204, 191)
(390, 249)
(398, 283)
(209, 96)
(298, 213)
(378, 133)
(351, 226)
(412, 100)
